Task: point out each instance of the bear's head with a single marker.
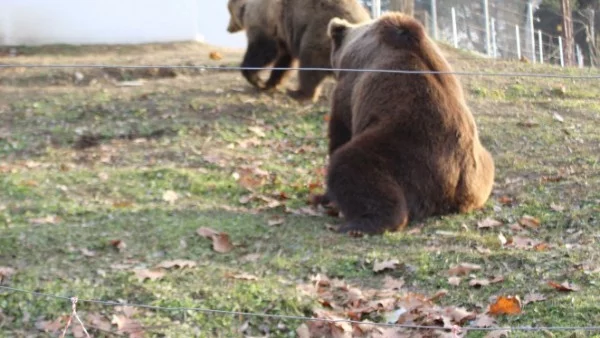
(236, 9)
(353, 45)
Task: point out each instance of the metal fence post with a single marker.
(541, 46)
(531, 30)
(517, 35)
(454, 29)
(562, 55)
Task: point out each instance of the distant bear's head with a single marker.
(353, 44)
(236, 15)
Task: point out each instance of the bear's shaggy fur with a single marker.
(280, 32)
(403, 147)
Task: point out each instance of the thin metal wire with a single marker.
(238, 68)
(275, 316)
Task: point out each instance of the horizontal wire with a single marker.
(238, 68)
(275, 316)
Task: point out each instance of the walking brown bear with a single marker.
(280, 32)
(403, 147)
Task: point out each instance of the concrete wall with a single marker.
(35, 22)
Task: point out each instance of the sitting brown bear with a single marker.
(282, 31)
(402, 146)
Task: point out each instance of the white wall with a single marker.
(34, 22)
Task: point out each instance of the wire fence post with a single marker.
(486, 11)
(494, 45)
(531, 29)
(454, 29)
(562, 56)
(579, 56)
(518, 38)
(376, 8)
(541, 46)
(434, 22)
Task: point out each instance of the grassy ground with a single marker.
(99, 180)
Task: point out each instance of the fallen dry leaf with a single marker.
(143, 274)
(88, 253)
(220, 240)
(498, 334)
(275, 220)
(483, 251)
(128, 311)
(455, 281)
(51, 325)
(463, 269)
(380, 266)
(533, 297)
(119, 244)
(489, 223)
(129, 326)
(251, 257)
(529, 222)
(181, 263)
(477, 283)
(564, 287)
(510, 305)
(122, 204)
(392, 283)
(6, 271)
(496, 279)
(502, 239)
(170, 196)
(557, 207)
(50, 219)
(506, 200)
(484, 320)
(98, 321)
(242, 276)
(258, 131)
(214, 55)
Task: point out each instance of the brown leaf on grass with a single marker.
(483, 251)
(463, 269)
(128, 311)
(529, 222)
(455, 281)
(99, 322)
(143, 274)
(498, 334)
(51, 325)
(496, 279)
(50, 219)
(564, 287)
(515, 227)
(557, 207)
(6, 271)
(380, 266)
(393, 283)
(170, 196)
(459, 315)
(220, 240)
(181, 263)
(477, 283)
(528, 124)
(122, 204)
(489, 223)
(118, 244)
(484, 320)
(242, 276)
(438, 295)
(553, 179)
(214, 55)
(251, 257)
(129, 326)
(533, 297)
(275, 220)
(506, 200)
(86, 252)
(258, 131)
(510, 305)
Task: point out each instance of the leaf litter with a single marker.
(341, 301)
(220, 240)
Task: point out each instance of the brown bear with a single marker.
(280, 32)
(403, 147)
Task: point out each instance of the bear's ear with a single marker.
(336, 30)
